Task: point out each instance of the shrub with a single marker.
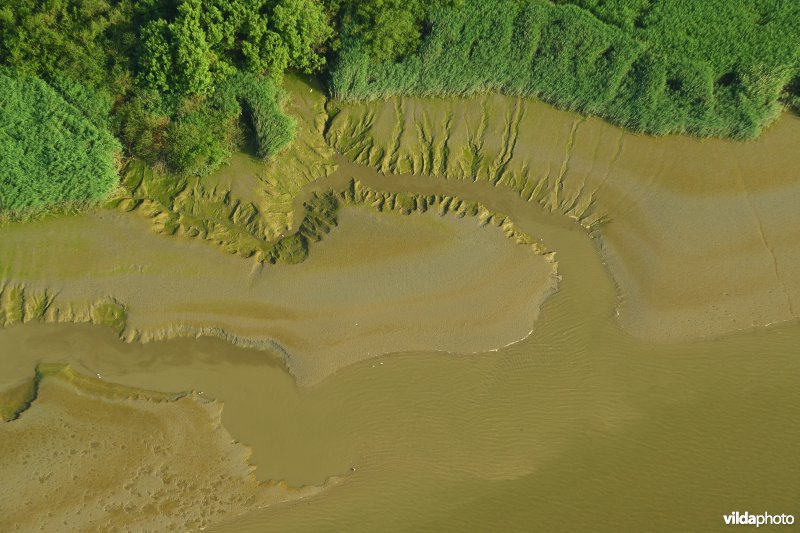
(188, 46)
(260, 102)
(194, 136)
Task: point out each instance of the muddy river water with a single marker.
(579, 426)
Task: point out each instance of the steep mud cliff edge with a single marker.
(699, 235)
(84, 454)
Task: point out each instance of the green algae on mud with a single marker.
(19, 304)
(15, 398)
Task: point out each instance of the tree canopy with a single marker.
(169, 78)
(187, 46)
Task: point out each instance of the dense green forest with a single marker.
(88, 84)
(180, 84)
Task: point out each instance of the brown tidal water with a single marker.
(579, 427)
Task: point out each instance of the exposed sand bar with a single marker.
(700, 235)
(379, 283)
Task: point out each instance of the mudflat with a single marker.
(378, 283)
(429, 304)
(669, 214)
(317, 265)
(86, 454)
(541, 429)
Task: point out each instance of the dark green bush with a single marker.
(52, 153)
(198, 139)
(260, 102)
(186, 47)
(791, 95)
(141, 124)
(195, 135)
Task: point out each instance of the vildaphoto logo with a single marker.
(746, 519)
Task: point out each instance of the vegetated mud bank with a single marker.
(395, 276)
(85, 454)
(699, 235)
(247, 205)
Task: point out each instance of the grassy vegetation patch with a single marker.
(705, 67)
(52, 153)
(260, 102)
